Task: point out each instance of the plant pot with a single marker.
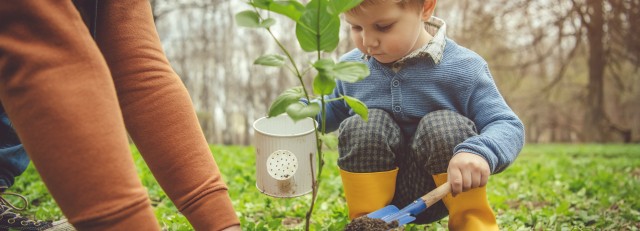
(285, 156)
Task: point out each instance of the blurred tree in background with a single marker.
(569, 68)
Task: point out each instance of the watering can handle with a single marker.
(436, 194)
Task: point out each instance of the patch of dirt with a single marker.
(528, 204)
(291, 222)
(365, 223)
(636, 173)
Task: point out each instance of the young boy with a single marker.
(435, 115)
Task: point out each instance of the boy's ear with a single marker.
(427, 9)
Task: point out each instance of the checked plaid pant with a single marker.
(379, 145)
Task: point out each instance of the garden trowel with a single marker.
(408, 213)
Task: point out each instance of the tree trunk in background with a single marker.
(595, 123)
(538, 52)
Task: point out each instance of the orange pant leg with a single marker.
(56, 88)
(159, 115)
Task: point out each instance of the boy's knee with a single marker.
(380, 128)
(369, 146)
(445, 122)
(377, 118)
(437, 135)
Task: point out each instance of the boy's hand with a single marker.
(467, 171)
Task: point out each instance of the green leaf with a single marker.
(270, 60)
(323, 83)
(248, 18)
(328, 71)
(339, 6)
(285, 99)
(358, 107)
(324, 64)
(298, 111)
(351, 71)
(317, 29)
(268, 23)
(290, 8)
(330, 140)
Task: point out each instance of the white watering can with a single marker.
(285, 155)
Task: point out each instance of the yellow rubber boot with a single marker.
(469, 210)
(368, 192)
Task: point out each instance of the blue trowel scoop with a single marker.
(408, 214)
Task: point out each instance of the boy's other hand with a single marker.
(467, 171)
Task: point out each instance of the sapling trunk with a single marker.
(318, 23)
(320, 157)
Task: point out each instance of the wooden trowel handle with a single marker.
(436, 194)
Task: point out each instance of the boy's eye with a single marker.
(384, 28)
(356, 28)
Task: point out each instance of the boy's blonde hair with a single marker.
(402, 3)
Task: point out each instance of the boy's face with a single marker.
(388, 32)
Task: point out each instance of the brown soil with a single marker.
(365, 223)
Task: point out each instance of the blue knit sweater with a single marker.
(460, 82)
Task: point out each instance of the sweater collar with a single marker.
(433, 50)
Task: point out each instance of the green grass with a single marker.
(549, 187)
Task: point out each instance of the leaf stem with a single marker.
(315, 183)
(286, 52)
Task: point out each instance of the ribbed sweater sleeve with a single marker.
(461, 82)
(500, 133)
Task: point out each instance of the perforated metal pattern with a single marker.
(282, 164)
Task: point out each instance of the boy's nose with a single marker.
(369, 40)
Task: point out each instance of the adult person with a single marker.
(13, 162)
(70, 98)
